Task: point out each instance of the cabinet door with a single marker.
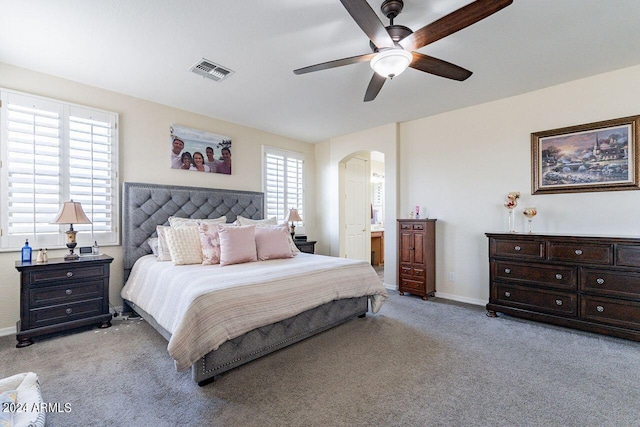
(419, 250)
(406, 245)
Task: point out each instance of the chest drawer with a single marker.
(65, 312)
(581, 253)
(613, 283)
(555, 276)
(410, 272)
(625, 314)
(51, 295)
(518, 249)
(542, 300)
(56, 276)
(628, 255)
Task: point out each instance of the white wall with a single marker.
(328, 156)
(144, 157)
(460, 166)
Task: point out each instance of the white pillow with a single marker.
(272, 242)
(184, 245)
(257, 222)
(178, 222)
(163, 248)
(237, 244)
(153, 244)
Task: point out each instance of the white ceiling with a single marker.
(144, 48)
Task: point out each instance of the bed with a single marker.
(312, 293)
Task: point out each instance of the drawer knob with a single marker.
(559, 276)
(69, 310)
(600, 308)
(507, 294)
(507, 270)
(517, 248)
(69, 273)
(68, 292)
(558, 302)
(578, 252)
(599, 280)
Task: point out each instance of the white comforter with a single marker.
(204, 306)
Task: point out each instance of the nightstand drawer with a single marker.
(65, 313)
(53, 295)
(73, 272)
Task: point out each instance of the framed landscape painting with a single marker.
(200, 151)
(601, 156)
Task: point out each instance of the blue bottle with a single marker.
(26, 252)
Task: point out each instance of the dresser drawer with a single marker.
(53, 295)
(628, 255)
(546, 301)
(65, 313)
(581, 253)
(412, 272)
(412, 285)
(625, 314)
(613, 283)
(412, 226)
(56, 276)
(555, 276)
(518, 249)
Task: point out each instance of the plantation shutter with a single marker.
(283, 183)
(54, 152)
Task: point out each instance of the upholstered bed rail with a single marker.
(146, 206)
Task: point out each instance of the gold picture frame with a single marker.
(600, 156)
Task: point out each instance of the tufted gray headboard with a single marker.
(145, 206)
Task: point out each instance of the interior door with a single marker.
(356, 210)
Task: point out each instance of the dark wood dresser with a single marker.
(584, 282)
(61, 295)
(417, 257)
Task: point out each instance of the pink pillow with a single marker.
(273, 242)
(210, 241)
(237, 244)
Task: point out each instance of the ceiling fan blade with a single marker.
(335, 63)
(455, 21)
(374, 87)
(436, 66)
(367, 19)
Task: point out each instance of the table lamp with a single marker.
(293, 216)
(71, 213)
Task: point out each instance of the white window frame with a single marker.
(104, 199)
(286, 200)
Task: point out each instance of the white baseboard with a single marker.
(448, 296)
(7, 331)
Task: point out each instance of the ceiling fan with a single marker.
(394, 46)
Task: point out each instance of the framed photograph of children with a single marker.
(601, 156)
(200, 151)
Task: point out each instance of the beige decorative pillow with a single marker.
(184, 245)
(178, 222)
(163, 248)
(257, 222)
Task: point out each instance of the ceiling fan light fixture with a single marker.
(392, 62)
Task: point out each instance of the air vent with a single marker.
(210, 70)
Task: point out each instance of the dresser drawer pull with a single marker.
(578, 252)
(558, 302)
(68, 291)
(559, 276)
(69, 310)
(507, 270)
(517, 248)
(599, 280)
(69, 273)
(600, 308)
(507, 294)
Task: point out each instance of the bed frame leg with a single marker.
(363, 315)
(205, 382)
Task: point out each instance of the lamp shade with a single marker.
(392, 62)
(71, 213)
(293, 215)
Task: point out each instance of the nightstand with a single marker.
(307, 246)
(60, 295)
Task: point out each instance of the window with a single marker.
(283, 183)
(53, 152)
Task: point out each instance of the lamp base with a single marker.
(71, 256)
(71, 245)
